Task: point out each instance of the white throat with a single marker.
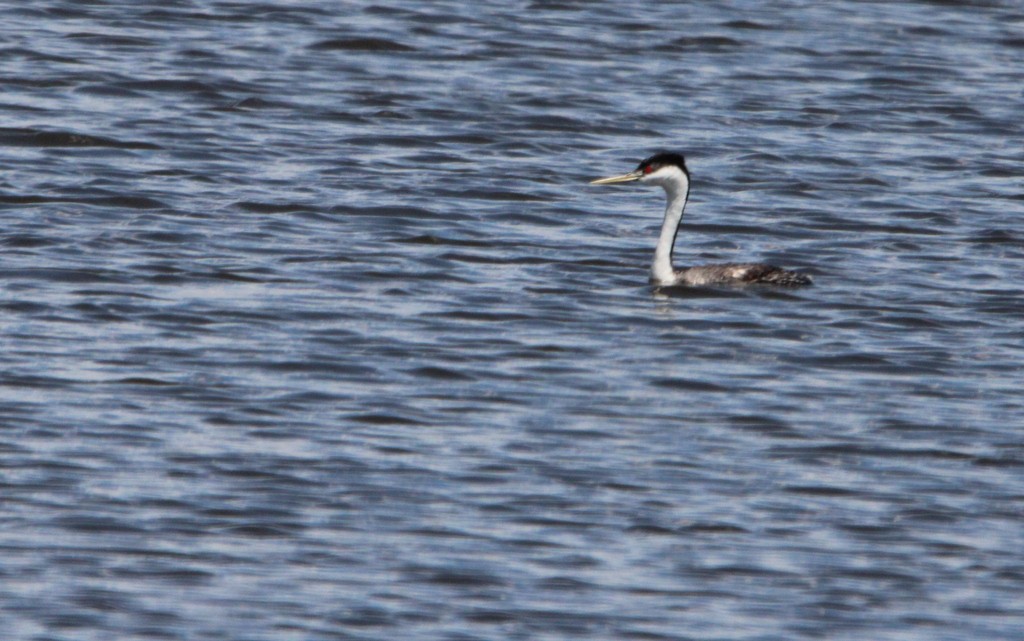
(677, 189)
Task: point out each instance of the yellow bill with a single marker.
(624, 178)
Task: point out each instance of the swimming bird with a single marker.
(668, 170)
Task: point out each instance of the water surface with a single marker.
(312, 328)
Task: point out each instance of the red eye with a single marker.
(648, 169)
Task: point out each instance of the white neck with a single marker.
(677, 188)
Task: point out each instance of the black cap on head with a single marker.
(662, 159)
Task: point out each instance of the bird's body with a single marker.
(669, 172)
(738, 273)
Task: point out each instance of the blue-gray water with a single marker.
(312, 328)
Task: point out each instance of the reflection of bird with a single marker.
(669, 171)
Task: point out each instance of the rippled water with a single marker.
(312, 328)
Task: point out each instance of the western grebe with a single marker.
(669, 171)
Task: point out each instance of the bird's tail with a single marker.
(787, 278)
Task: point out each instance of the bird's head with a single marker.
(662, 169)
